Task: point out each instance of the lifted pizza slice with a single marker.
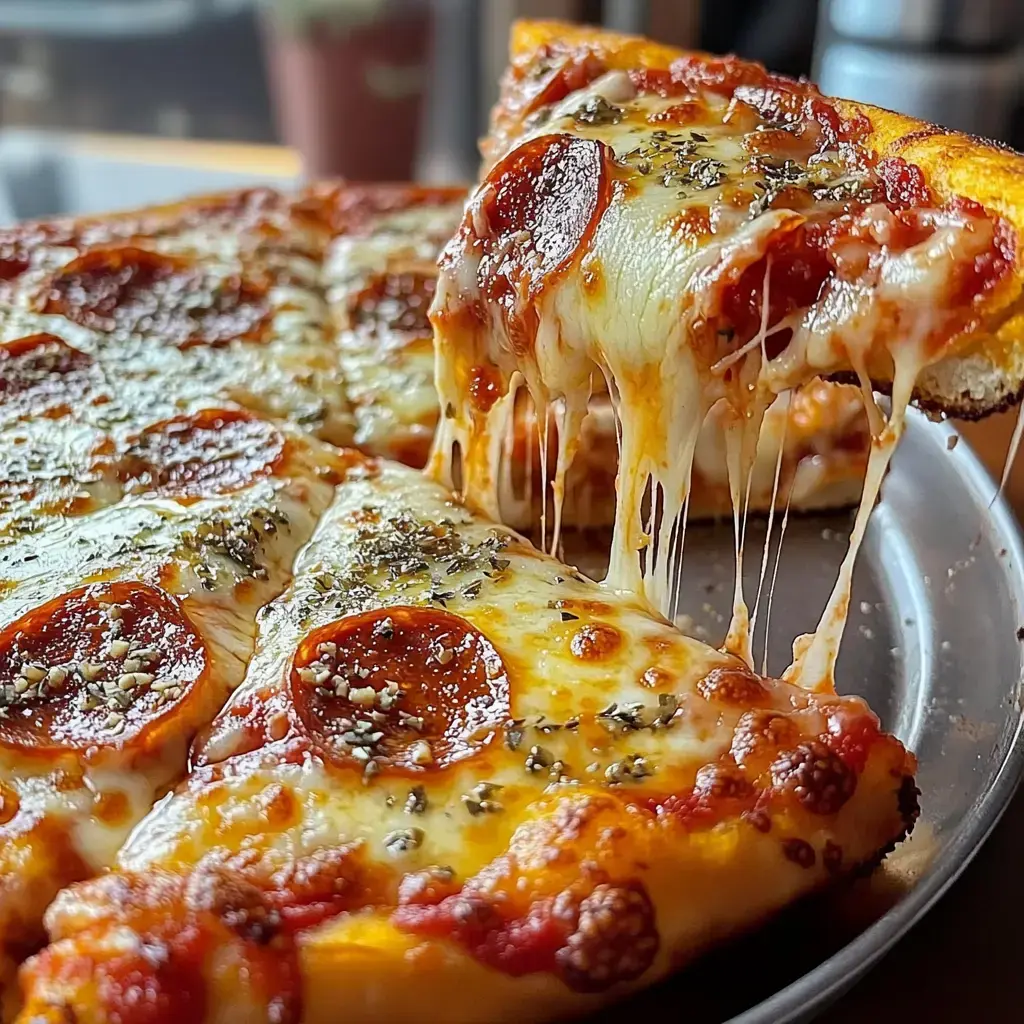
(122, 632)
(461, 775)
(687, 231)
(380, 277)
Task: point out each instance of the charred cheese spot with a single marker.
(409, 688)
(173, 927)
(799, 851)
(853, 731)
(595, 641)
(215, 451)
(134, 290)
(101, 665)
(615, 939)
(735, 685)
(592, 940)
(237, 902)
(832, 857)
(816, 776)
(722, 781)
(428, 887)
(758, 737)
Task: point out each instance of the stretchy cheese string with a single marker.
(742, 437)
(775, 576)
(1011, 455)
(814, 655)
(766, 548)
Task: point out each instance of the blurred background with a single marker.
(107, 103)
(115, 103)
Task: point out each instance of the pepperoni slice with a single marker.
(405, 687)
(127, 289)
(42, 372)
(215, 451)
(541, 205)
(394, 302)
(98, 666)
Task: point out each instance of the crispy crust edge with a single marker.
(985, 374)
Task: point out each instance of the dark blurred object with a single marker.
(953, 62)
(180, 68)
(778, 33)
(348, 81)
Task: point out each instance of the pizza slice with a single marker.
(123, 630)
(459, 774)
(686, 231)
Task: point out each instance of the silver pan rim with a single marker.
(809, 994)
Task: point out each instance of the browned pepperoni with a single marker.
(819, 779)
(394, 303)
(540, 205)
(100, 665)
(733, 685)
(407, 687)
(215, 451)
(595, 641)
(41, 372)
(127, 289)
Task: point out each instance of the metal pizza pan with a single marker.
(932, 644)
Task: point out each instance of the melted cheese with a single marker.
(85, 802)
(638, 300)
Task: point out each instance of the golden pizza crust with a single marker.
(986, 374)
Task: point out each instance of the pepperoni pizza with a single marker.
(125, 628)
(162, 376)
(280, 719)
